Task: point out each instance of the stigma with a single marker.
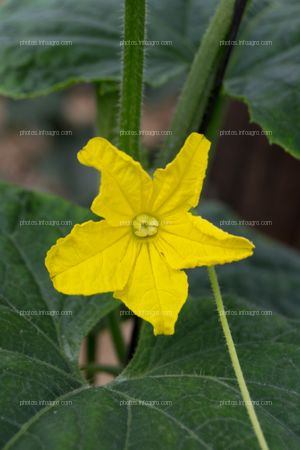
(144, 225)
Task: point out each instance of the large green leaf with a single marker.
(179, 392)
(266, 77)
(44, 403)
(94, 30)
(25, 283)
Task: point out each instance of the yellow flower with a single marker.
(147, 235)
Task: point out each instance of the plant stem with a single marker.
(240, 6)
(134, 337)
(90, 354)
(213, 127)
(212, 133)
(107, 95)
(94, 368)
(117, 336)
(129, 113)
(235, 360)
(196, 90)
(132, 76)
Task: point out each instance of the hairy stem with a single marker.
(132, 76)
(235, 360)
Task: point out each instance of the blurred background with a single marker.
(39, 139)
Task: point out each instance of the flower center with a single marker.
(144, 225)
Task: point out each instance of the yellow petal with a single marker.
(95, 257)
(178, 186)
(125, 186)
(188, 241)
(154, 291)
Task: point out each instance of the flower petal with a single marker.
(154, 291)
(95, 257)
(188, 241)
(178, 186)
(125, 186)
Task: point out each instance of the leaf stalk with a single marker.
(235, 360)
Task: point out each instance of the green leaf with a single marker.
(25, 282)
(191, 399)
(90, 32)
(182, 391)
(266, 77)
(269, 279)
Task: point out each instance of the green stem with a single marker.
(90, 354)
(213, 128)
(132, 76)
(212, 133)
(94, 368)
(134, 337)
(240, 6)
(107, 95)
(117, 336)
(235, 360)
(196, 90)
